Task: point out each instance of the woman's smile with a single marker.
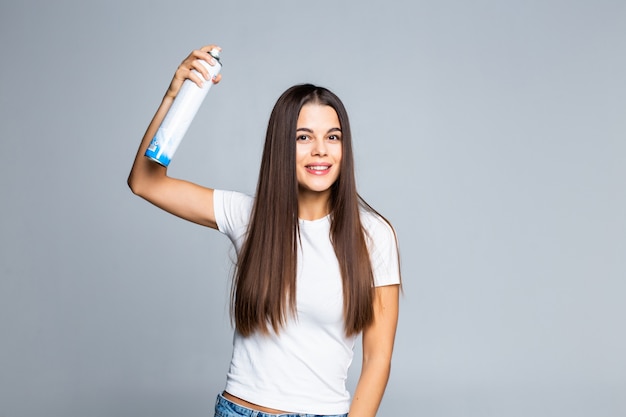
(319, 169)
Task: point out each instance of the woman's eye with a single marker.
(302, 137)
(334, 137)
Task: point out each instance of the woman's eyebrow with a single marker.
(306, 129)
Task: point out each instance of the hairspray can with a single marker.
(180, 115)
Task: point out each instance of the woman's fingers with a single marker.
(186, 69)
(202, 54)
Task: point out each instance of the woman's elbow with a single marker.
(381, 362)
(135, 185)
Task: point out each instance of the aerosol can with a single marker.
(179, 116)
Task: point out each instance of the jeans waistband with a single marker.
(227, 408)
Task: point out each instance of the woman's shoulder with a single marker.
(382, 244)
(376, 226)
(229, 197)
(372, 218)
(232, 209)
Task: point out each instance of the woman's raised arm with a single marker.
(150, 181)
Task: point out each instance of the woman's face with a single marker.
(318, 148)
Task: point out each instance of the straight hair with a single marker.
(263, 294)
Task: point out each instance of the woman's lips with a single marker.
(318, 169)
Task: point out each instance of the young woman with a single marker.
(316, 266)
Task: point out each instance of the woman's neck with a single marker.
(313, 206)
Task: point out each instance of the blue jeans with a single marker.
(225, 408)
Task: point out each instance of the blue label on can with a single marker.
(155, 152)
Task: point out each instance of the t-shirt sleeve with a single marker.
(232, 213)
(383, 250)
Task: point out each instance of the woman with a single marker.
(316, 266)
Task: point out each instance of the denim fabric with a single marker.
(225, 408)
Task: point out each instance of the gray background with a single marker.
(491, 133)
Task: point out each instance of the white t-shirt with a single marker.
(303, 368)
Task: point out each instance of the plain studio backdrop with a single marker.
(492, 134)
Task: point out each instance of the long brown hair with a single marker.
(264, 286)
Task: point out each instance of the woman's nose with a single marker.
(319, 147)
